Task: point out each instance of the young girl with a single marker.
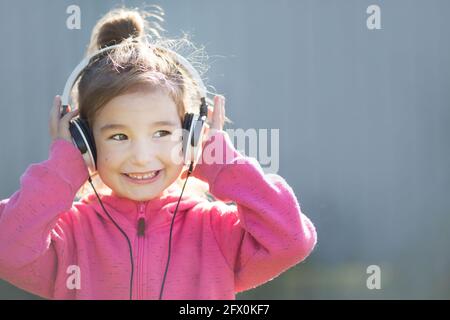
(119, 247)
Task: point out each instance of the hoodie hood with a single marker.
(156, 212)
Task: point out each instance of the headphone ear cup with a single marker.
(187, 124)
(192, 136)
(83, 139)
(197, 127)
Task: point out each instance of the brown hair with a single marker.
(132, 64)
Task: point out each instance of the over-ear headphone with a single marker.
(83, 139)
(192, 125)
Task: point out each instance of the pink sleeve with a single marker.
(31, 233)
(265, 233)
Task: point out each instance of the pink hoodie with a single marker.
(48, 243)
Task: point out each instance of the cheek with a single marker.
(108, 168)
(172, 153)
(104, 159)
(107, 158)
(106, 164)
(109, 165)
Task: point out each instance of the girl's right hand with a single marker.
(59, 127)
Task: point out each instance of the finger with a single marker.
(54, 114)
(70, 115)
(216, 115)
(206, 132)
(220, 112)
(55, 106)
(64, 123)
(210, 114)
(63, 110)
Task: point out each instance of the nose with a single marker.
(143, 152)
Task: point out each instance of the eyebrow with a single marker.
(121, 126)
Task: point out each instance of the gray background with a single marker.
(362, 116)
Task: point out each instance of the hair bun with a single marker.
(116, 26)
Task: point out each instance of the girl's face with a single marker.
(139, 133)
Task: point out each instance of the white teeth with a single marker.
(141, 177)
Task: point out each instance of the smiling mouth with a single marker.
(143, 177)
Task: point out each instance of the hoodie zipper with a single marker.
(140, 255)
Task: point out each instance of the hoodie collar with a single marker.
(156, 212)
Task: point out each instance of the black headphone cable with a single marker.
(191, 166)
(124, 234)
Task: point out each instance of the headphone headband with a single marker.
(83, 64)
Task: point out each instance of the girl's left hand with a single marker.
(216, 118)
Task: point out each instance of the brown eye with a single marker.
(162, 133)
(118, 135)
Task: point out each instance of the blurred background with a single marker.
(363, 117)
